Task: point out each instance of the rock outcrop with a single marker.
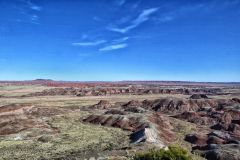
(144, 135)
(103, 104)
(219, 152)
(180, 105)
(153, 128)
(196, 118)
(131, 123)
(92, 91)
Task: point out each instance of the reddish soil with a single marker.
(158, 122)
(18, 117)
(197, 118)
(130, 123)
(177, 105)
(163, 126)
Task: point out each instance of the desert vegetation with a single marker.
(172, 153)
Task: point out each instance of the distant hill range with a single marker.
(53, 83)
(43, 80)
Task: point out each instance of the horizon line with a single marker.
(114, 81)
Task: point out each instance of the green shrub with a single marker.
(173, 153)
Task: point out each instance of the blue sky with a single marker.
(195, 40)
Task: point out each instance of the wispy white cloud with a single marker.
(94, 43)
(24, 11)
(36, 8)
(96, 18)
(32, 5)
(120, 2)
(144, 16)
(181, 11)
(114, 47)
(120, 40)
(136, 4)
(34, 17)
(84, 36)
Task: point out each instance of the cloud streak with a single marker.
(120, 40)
(33, 6)
(36, 8)
(144, 16)
(120, 2)
(34, 18)
(114, 47)
(86, 44)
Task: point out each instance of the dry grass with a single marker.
(61, 101)
(74, 138)
(13, 91)
(182, 128)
